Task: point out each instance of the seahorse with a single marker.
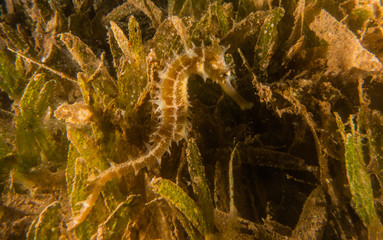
(172, 107)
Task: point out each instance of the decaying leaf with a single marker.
(344, 50)
(313, 218)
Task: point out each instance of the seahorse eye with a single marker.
(227, 73)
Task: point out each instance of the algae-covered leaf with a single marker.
(376, 142)
(182, 31)
(175, 6)
(358, 18)
(83, 140)
(216, 22)
(166, 41)
(14, 38)
(70, 167)
(121, 39)
(31, 234)
(266, 41)
(150, 9)
(186, 224)
(92, 154)
(114, 226)
(194, 8)
(246, 7)
(131, 70)
(80, 191)
(114, 47)
(223, 19)
(358, 177)
(32, 138)
(135, 40)
(12, 81)
(120, 12)
(233, 156)
(243, 34)
(44, 98)
(180, 199)
(199, 183)
(81, 53)
(97, 86)
(47, 226)
(4, 149)
(44, 9)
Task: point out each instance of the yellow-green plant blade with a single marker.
(215, 22)
(150, 9)
(223, 19)
(245, 32)
(199, 183)
(4, 149)
(246, 7)
(47, 225)
(233, 156)
(14, 38)
(97, 85)
(32, 138)
(73, 154)
(358, 18)
(114, 48)
(265, 45)
(165, 41)
(80, 192)
(120, 13)
(358, 178)
(121, 39)
(96, 160)
(191, 231)
(180, 199)
(135, 39)
(44, 98)
(31, 234)
(12, 81)
(131, 70)
(175, 6)
(81, 53)
(199, 7)
(194, 8)
(114, 226)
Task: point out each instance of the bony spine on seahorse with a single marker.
(172, 106)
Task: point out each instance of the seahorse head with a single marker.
(215, 68)
(214, 65)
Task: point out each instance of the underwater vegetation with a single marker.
(191, 119)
